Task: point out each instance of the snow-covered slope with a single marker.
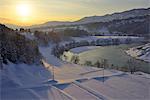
(141, 52)
(125, 87)
(49, 58)
(14, 77)
(110, 17)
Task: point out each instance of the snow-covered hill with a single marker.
(137, 26)
(115, 16)
(141, 52)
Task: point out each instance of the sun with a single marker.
(23, 10)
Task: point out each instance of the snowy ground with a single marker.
(85, 83)
(125, 87)
(140, 52)
(121, 38)
(48, 57)
(72, 82)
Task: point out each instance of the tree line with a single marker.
(58, 49)
(16, 48)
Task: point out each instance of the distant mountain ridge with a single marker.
(51, 23)
(116, 16)
(92, 19)
(105, 18)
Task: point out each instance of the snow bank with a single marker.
(121, 38)
(48, 57)
(141, 52)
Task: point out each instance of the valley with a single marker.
(94, 58)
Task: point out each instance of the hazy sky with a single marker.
(27, 12)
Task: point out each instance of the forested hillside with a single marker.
(136, 26)
(16, 48)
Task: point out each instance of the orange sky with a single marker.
(29, 12)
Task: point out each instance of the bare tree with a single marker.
(104, 63)
(75, 59)
(53, 76)
(97, 64)
(1, 62)
(88, 63)
(132, 65)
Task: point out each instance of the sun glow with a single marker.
(23, 10)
